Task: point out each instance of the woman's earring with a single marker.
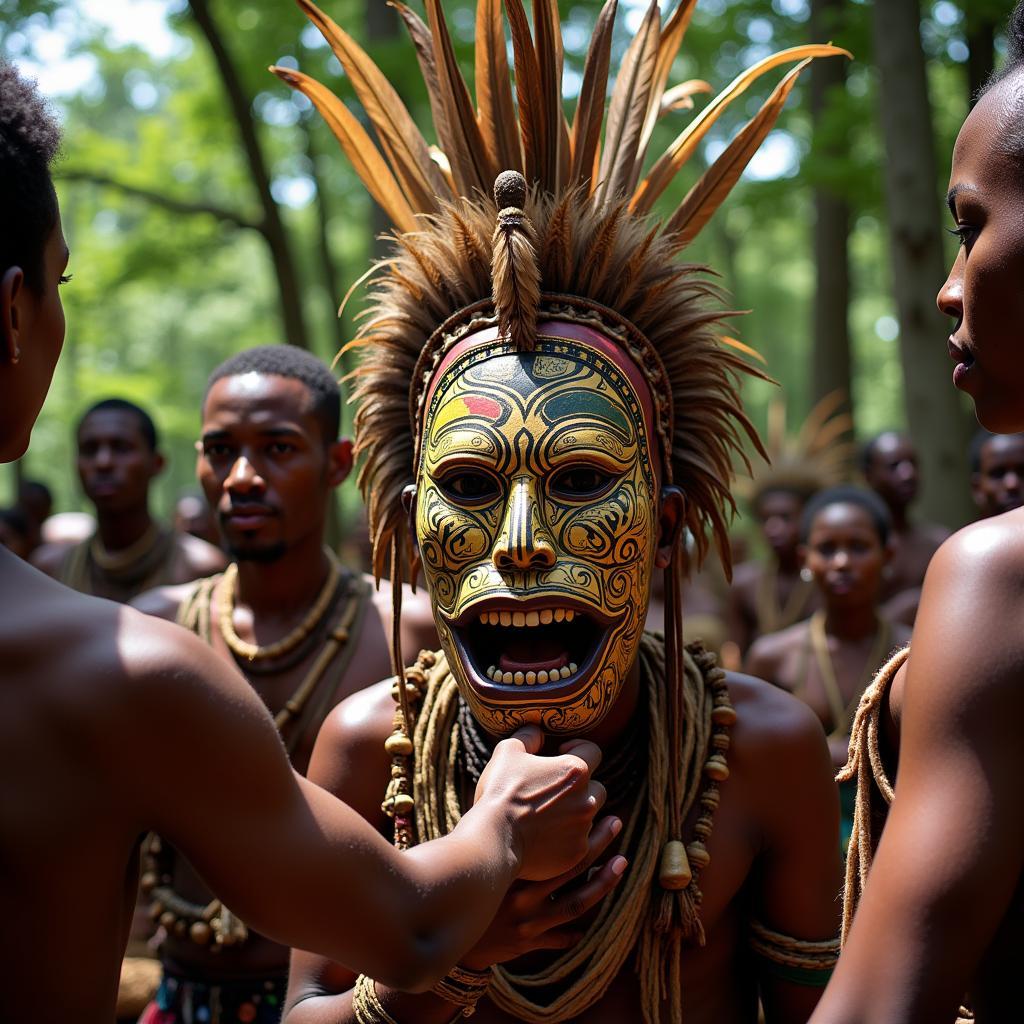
(806, 575)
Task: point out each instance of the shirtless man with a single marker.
(118, 459)
(941, 916)
(889, 464)
(768, 594)
(269, 460)
(113, 724)
(997, 472)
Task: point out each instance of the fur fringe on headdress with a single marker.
(457, 262)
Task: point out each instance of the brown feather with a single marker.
(548, 36)
(680, 97)
(364, 156)
(528, 92)
(668, 48)
(497, 112)
(423, 43)
(717, 181)
(400, 139)
(674, 158)
(627, 111)
(586, 123)
(471, 164)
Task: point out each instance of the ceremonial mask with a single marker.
(536, 519)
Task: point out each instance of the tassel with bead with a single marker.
(515, 275)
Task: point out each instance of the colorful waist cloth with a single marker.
(180, 1001)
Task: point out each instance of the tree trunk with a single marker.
(831, 368)
(934, 413)
(272, 226)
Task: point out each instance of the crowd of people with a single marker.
(536, 751)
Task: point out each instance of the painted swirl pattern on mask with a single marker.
(536, 520)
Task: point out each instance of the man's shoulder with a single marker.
(362, 721)
(772, 725)
(989, 552)
(166, 602)
(197, 556)
(768, 652)
(50, 557)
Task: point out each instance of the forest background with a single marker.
(208, 209)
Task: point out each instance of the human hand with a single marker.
(549, 802)
(543, 915)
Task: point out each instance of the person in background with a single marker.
(997, 472)
(772, 592)
(35, 501)
(15, 531)
(130, 552)
(889, 465)
(829, 659)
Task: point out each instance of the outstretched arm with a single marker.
(953, 847)
(209, 772)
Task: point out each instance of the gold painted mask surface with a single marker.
(536, 518)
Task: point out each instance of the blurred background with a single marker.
(208, 209)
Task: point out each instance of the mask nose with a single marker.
(524, 542)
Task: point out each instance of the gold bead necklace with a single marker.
(254, 652)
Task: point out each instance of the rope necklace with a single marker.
(642, 917)
(771, 617)
(254, 652)
(124, 558)
(843, 711)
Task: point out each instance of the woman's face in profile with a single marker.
(984, 292)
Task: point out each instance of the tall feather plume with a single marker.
(366, 160)
(514, 269)
(470, 162)
(423, 43)
(589, 116)
(670, 163)
(717, 181)
(402, 142)
(668, 49)
(495, 106)
(548, 36)
(628, 110)
(528, 92)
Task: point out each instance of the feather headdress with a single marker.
(819, 454)
(583, 240)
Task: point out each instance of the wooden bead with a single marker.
(398, 745)
(404, 804)
(148, 881)
(412, 692)
(716, 768)
(167, 919)
(710, 798)
(702, 830)
(200, 933)
(723, 714)
(720, 741)
(181, 928)
(675, 872)
(416, 675)
(155, 910)
(699, 856)
(155, 846)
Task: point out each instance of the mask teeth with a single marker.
(496, 675)
(542, 617)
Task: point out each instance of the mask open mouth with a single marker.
(521, 647)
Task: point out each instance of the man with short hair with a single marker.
(113, 724)
(130, 552)
(997, 472)
(304, 631)
(889, 464)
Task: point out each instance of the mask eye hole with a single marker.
(581, 482)
(470, 487)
